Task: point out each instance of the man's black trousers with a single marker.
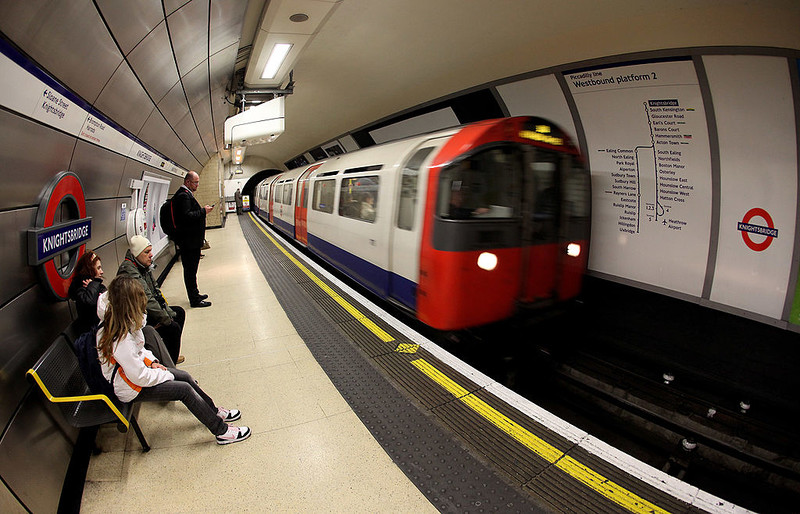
(191, 260)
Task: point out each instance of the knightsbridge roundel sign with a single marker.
(62, 230)
(746, 227)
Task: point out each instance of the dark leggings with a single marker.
(185, 389)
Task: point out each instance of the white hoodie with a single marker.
(134, 360)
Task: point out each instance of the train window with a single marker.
(408, 189)
(287, 193)
(484, 185)
(359, 198)
(324, 195)
(373, 167)
(546, 193)
(279, 193)
(305, 194)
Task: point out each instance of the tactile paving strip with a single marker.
(391, 369)
(450, 477)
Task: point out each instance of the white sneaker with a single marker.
(228, 415)
(234, 435)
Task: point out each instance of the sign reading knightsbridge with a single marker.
(61, 240)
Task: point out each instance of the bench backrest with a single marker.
(59, 376)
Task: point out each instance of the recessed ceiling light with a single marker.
(299, 17)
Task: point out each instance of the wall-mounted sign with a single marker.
(61, 233)
(746, 227)
(648, 149)
(46, 243)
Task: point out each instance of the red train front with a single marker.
(506, 225)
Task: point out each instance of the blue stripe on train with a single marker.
(367, 274)
(373, 277)
(285, 227)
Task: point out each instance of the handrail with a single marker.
(66, 399)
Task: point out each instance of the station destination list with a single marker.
(651, 182)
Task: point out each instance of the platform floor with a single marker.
(350, 412)
(308, 452)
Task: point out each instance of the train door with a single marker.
(271, 201)
(404, 243)
(555, 212)
(301, 208)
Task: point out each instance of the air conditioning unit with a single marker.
(260, 124)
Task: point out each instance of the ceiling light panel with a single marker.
(276, 59)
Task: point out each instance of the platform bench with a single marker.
(58, 375)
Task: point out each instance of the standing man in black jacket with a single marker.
(190, 221)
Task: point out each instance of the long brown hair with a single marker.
(127, 302)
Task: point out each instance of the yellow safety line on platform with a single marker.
(361, 318)
(546, 451)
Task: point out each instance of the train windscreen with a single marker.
(484, 185)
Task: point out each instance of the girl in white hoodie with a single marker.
(137, 375)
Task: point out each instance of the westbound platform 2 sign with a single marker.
(61, 233)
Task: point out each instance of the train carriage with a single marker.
(462, 227)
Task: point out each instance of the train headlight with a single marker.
(487, 261)
(573, 249)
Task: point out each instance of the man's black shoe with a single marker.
(202, 303)
(202, 297)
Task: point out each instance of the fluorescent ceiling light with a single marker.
(279, 52)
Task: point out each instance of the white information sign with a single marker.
(43, 99)
(649, 156)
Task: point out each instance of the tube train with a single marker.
(462, 227)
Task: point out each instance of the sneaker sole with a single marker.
(240, 438)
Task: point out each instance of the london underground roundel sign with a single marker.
(747, 227)
(61, 232)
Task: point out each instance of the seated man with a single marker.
(168, 321)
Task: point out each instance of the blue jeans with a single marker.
(185, 389)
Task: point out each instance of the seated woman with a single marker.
(86, 286)
(135, 373)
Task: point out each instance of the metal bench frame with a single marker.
(59, 376)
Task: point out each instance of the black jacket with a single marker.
(190, 220)
(86, 299)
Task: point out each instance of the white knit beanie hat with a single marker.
(138, 244)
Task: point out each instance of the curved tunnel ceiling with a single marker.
(161, 69)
